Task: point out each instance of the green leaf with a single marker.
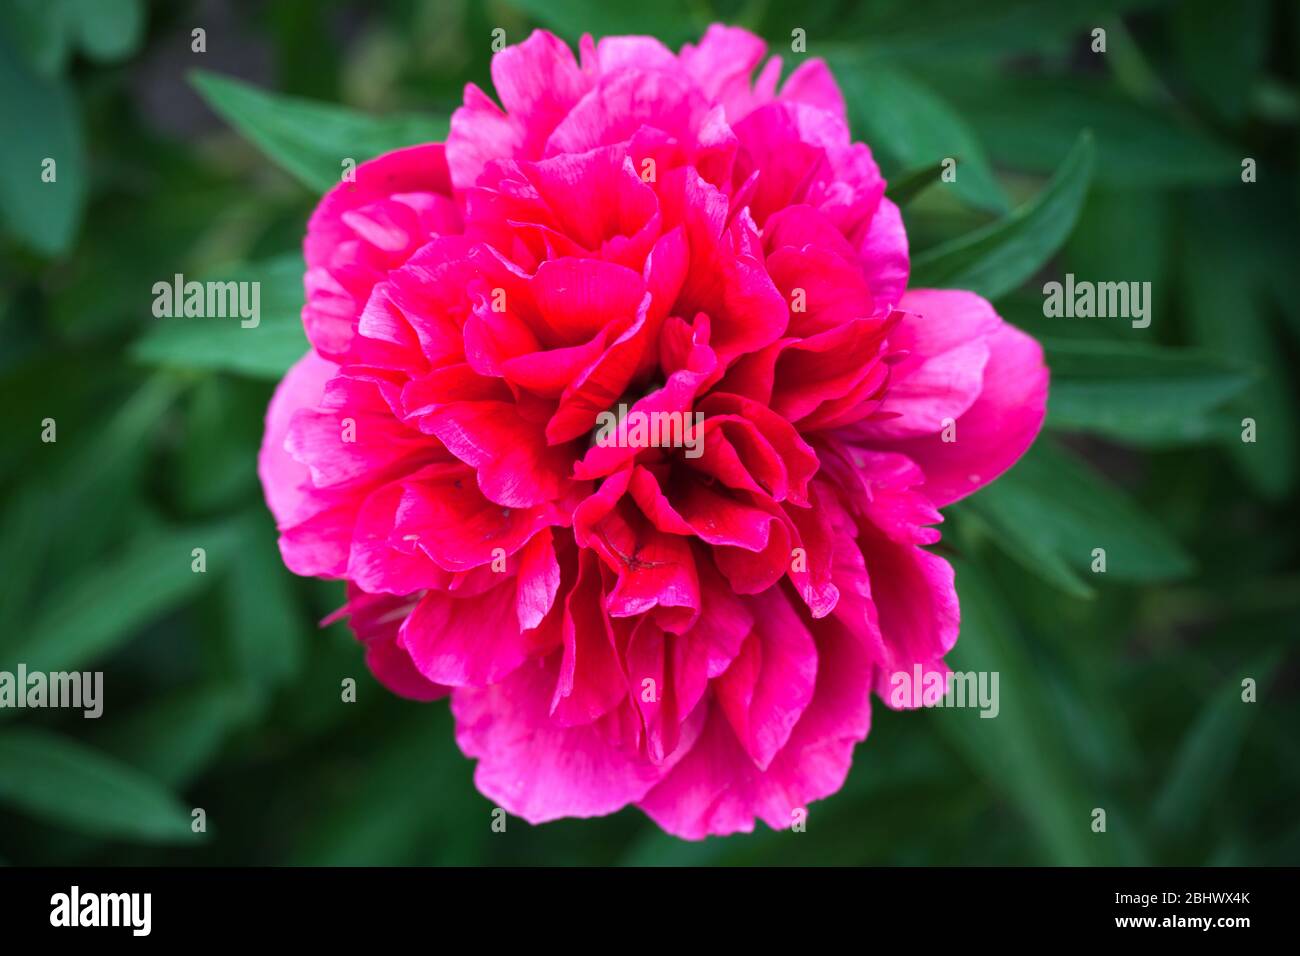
(45, 30)
(80, 503)
(424, 785)
(216, 462)
(96, 488)
(65, 783)
(1204, 762)
(37, 29)
(673, 21)
(173, 739)
(1223, 309)
(1028, 123)
(905, 187)
(266, 350)
(995, 259)
(311, 140)
(1124, 235)
(95, 614)
(44, 215)
(915, 126)
(108, 30)
(22, 547)
(1069, 511)
(266, 620)
(1220, 64)
(1140, 393)
(1034, 553)
(1017, 751)
(941, 30)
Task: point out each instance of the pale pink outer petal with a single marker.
(461, 641)
(375, 620)
(811, 82)
(480, 133)
(883, 251)
(915, 600)
(1002, 422)
(717, 790)
(393, 668)
(643, 53)
(538, 82)
(286, 481)
(615, 109)
(943, 334)
(722, 65)
(341, 269)
(412, 169)
(538, 770)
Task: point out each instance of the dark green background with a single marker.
(1120, 691)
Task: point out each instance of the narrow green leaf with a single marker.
(1015, 751)
(42, 124)
(65, 783)
(915, 126)
(995, 259)
(267, 630)
(907, 186)
(92, 494)
(421, 780)
(308, 139)
(1069, 511)
(174, 739)
(79, 504)
(1222, 65)
(1029, 122)
(216, 464)
(22, 548)
(92, 616)
(942, 30)
(1205, 759)
(1124, 235)
(1223, 308)
(1140, 393)
(1034, 553)
(266, 350)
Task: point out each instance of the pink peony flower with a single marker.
(616, 623)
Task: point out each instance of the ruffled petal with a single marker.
(1001, 423)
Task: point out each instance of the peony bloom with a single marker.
(698, 632)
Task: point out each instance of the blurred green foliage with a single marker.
(1119, 690)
